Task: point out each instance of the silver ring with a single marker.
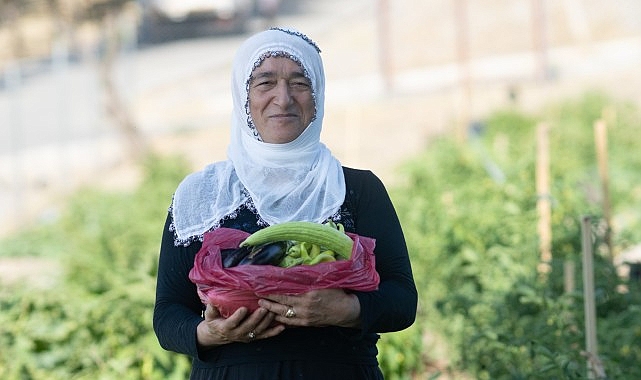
(251, 335)
(290, 313)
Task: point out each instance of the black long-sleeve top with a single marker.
(310, 352)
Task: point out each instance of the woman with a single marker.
(278, 170)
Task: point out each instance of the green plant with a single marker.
(95, 323)
(469, 213)
(399, 354)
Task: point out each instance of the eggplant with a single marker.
(266, 254)
(233, 256)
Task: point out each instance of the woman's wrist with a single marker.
(354, 316)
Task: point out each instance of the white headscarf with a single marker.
(299, 180)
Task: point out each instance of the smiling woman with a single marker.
(280, 100)
(278, 171)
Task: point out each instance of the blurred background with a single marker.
(84, 85)
(91, 89)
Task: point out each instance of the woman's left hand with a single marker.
(322, 307)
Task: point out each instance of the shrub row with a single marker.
(469, 212)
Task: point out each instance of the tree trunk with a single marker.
(115, 106)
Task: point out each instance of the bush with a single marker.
(95, 324)
(469, 212)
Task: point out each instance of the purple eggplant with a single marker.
(266, 254)
(232, 257)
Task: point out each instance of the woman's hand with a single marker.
(323, 307)
(239, 327)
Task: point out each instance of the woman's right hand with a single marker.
(239, 327)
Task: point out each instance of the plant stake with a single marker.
(601, 143)
(594, 366)
(543, 203)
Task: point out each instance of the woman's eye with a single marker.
(264, 83)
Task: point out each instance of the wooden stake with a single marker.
(601, 144)
(568, 276)
(594, 366)
(544, 203)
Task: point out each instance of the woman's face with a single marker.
(280, 100)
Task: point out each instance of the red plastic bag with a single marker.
(230, 288)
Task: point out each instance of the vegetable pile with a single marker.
(290, 244)
(229, 288)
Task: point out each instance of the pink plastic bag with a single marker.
(230, 288)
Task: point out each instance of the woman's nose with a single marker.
(283, 95)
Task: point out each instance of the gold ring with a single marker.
(290, 313)
(251, 335)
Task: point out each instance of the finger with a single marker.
(265, 322)
(268, 304)
(277, 304)
(281, 310)
(211, 312)
(251, 327)
(290, 321)
(253, 320)
(272, 331)
(279, 298)
(237, 317)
